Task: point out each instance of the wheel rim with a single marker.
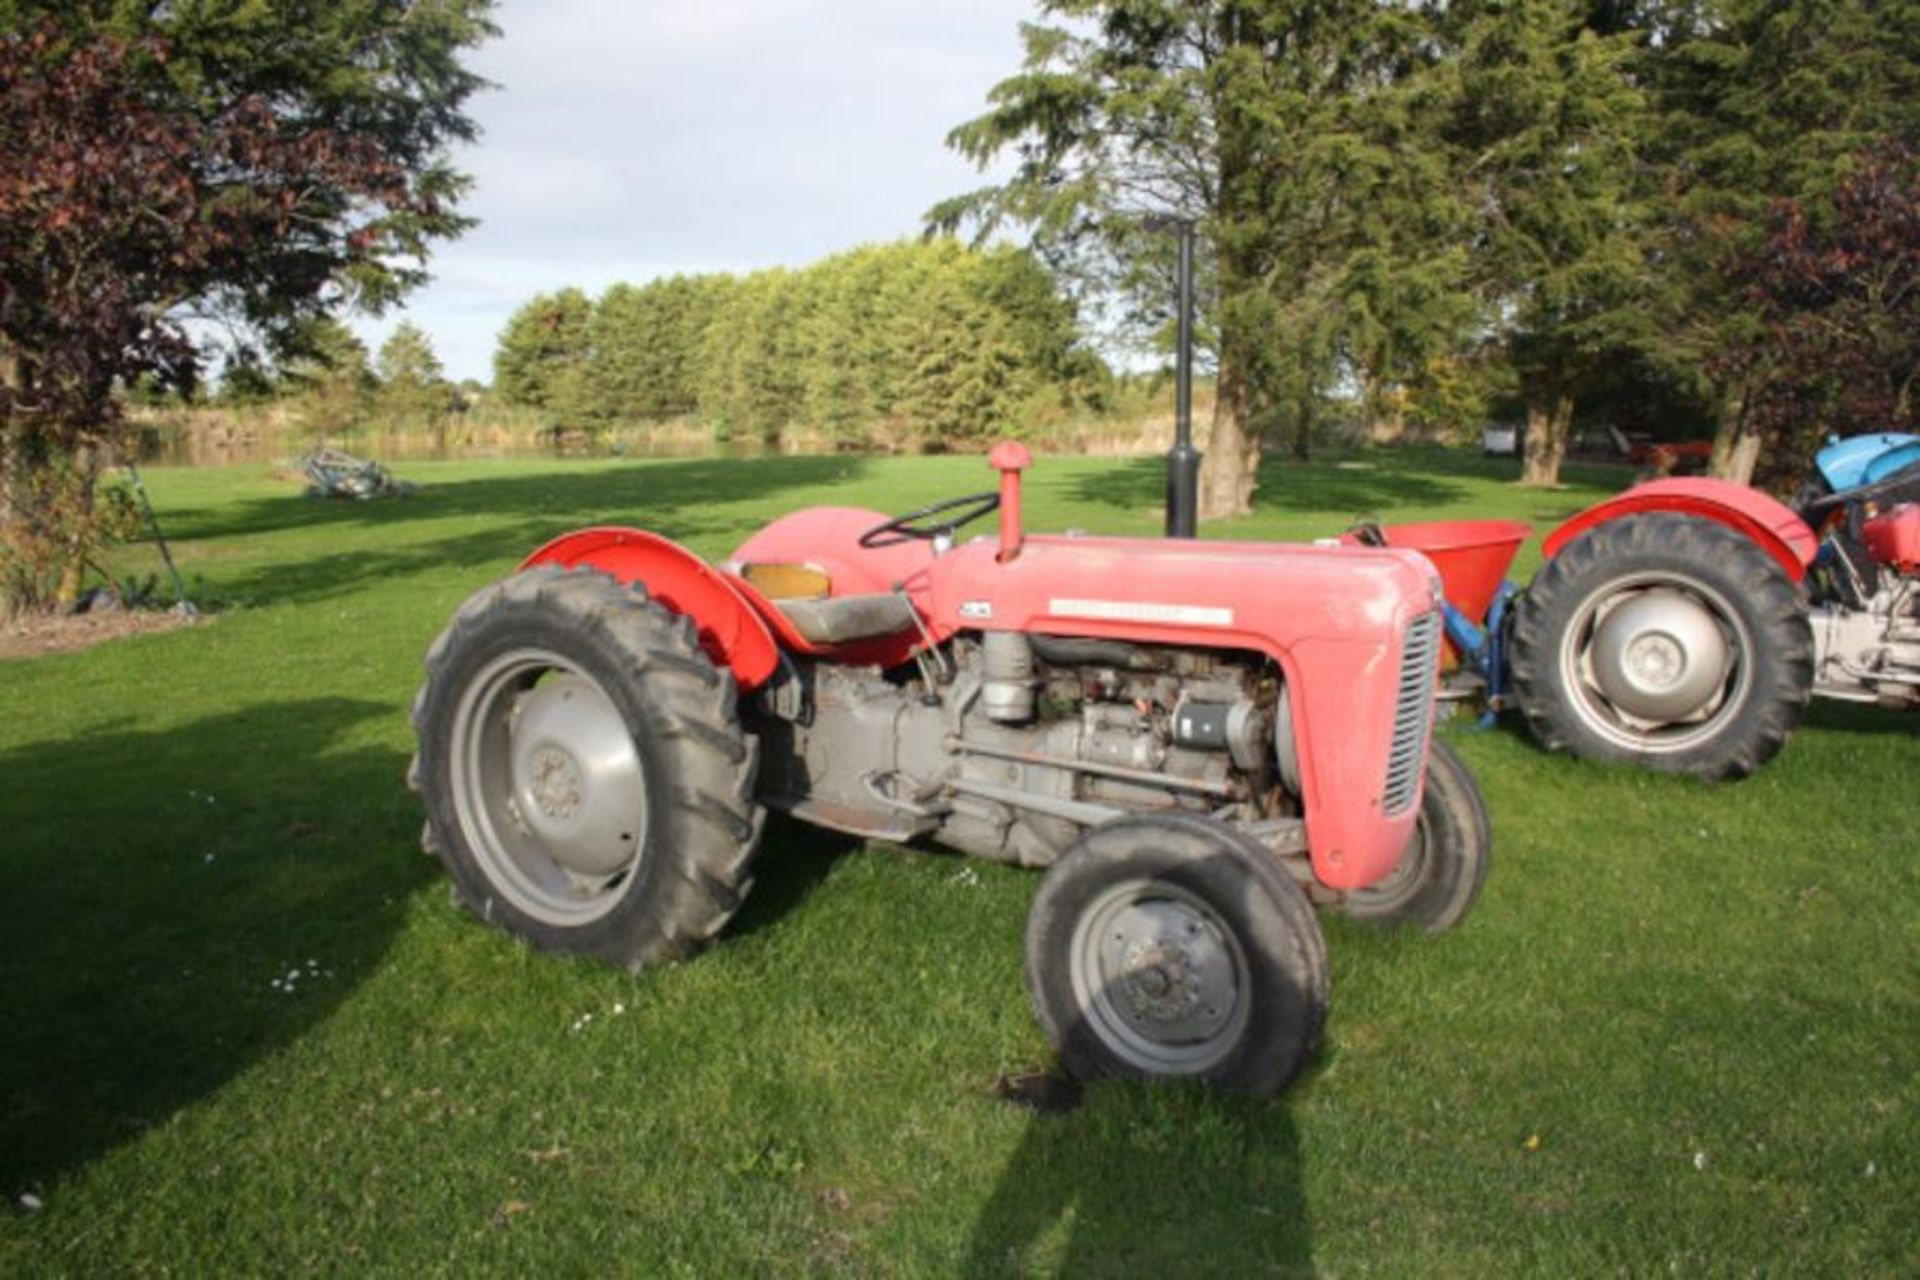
(1160, 978)
(1657, 662)
(1403, 882)
(548, 787)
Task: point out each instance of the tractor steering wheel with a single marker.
(910, 527)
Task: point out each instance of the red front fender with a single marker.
(731, 632)
(1776, 530)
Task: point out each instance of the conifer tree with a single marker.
(413, 390)
(543, 354)
(331, 382)
(1281, 130)
(1548, 125)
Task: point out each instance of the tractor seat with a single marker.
(781, 580)
(800, 591)
(844, 619)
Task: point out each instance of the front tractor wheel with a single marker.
(586, 779)
(1667, 641)
(1440, 872)
(1173, 946)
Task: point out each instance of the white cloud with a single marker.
(629, 140)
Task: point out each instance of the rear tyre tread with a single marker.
(704, 824)
(1776, 617)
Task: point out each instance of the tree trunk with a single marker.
(73, 563)
(1736, 445)
(13, 465)
(1741, 459)
(51, 528)
(16, 591)
(1386, 412)
(1549, 423)
(1303, 420)
(1230, 470)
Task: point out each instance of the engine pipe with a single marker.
(1183, 460)
(1010, 458)
(1118, 772)
(1077, 811)
(1070, 650)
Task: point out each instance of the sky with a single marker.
(630, 139)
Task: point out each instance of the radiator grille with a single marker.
(1412, 713)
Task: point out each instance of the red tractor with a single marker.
(1200, 741)
(1683, 625)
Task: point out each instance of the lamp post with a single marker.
(1183, 460)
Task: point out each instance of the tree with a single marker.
(1836, 288)
(1758, 102)
(1291, 133)
(330, 383)
(853, 329)
(413, 386)
(544, 353)
(926, 344)
(645, 342)
(253, 166)
(1546, 126)
(752, 381)
(1042, 323)
(931, 345)
(246, 382)
(959, 374)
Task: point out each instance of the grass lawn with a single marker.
(241, 1029)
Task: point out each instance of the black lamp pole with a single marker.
(1183, 460)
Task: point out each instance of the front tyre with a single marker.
(1173, 946)
(1666, 641)
(1439, 875)
(586, 779)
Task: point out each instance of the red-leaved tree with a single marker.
(1836, 288)
(129, 211)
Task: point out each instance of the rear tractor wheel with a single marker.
(1667, 641)
(1439, 874)
(586, 779)
(1173, 946)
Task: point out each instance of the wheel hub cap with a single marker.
(1161, 982)
(1162, 977)
(1655, 662)
(556, 783)
(575, 776)
(1660, 656)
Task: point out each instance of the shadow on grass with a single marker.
(794, 859)
(1318, 488)
(1150, 1180)
(160, 883)
(649, 493)
(1859, 717)
(1167, 1177)
(1362, 482)
(522, 511)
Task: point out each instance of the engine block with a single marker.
(1870, 654)
(1005, 753)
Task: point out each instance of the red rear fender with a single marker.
(1780, 533)
(731, 631)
